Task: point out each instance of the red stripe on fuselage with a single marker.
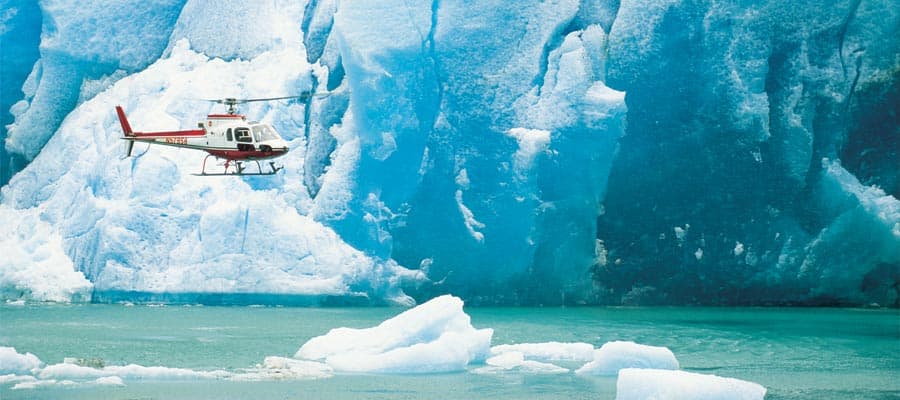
(247, 155)
(190, 133)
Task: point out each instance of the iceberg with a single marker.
(642, 384)
(612, 357)
(436, 336)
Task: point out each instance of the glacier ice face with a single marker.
(79, 45)
(145, 224)
(20, 33)
(434, 151)
(491, 145)
(34, 264)
(732, 106)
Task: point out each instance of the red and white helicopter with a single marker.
(228, 137)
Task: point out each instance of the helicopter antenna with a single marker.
(232, 102)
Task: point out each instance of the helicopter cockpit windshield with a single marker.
(264, 133)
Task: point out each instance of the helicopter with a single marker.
(228, 137)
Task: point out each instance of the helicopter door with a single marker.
(245, 141)
(229, 136)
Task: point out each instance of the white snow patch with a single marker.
(531, 143)
(643, 384)
(472, 224)
(613, 356)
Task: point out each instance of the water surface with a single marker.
(796, 353)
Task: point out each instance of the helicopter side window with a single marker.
(263, 133)
(229, 136)
(256, 131)
(243, 135)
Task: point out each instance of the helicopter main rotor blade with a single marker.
(230, 100)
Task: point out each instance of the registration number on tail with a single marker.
(176, 140)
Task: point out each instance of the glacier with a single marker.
(561, 152)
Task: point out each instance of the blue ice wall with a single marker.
(82, 51)
(19, 38)
(534, 152)
(716, 194)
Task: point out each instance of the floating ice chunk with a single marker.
(12, 362)
(109, 381)
(515, 361)
(15, 379)
(613, 356)
(133, 371)
(434, 337)
(36, 383)
(281, 368)
(634, 384)
(549, 351)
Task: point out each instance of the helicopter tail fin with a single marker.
(126, 130)
(126, 127)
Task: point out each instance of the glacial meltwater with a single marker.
(204, 352)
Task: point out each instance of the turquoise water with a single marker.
(795, 353)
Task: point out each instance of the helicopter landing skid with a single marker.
(240, 169)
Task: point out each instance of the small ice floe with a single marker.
(11, 379)
(131, 371)
(283, 368)
(643, 384)
(514, 361)
(109, 381)
(535, 358)
(549, 351)
(436, 336)
(13, 362)
(613, 356)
